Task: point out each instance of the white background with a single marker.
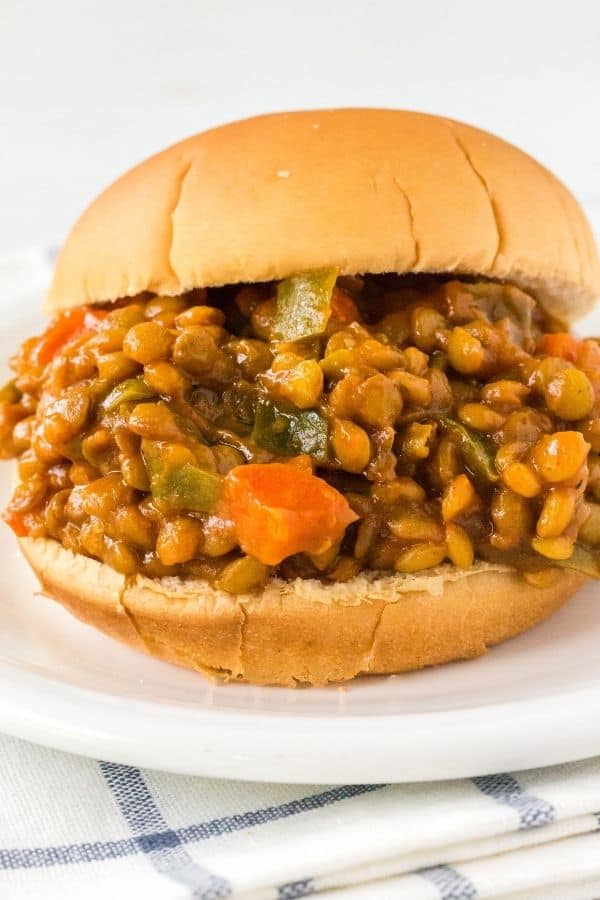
(88, 89)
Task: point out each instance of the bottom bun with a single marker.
(301, 631)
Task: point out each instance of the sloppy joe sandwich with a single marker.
(308, 405)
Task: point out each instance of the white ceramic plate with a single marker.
(533, 701)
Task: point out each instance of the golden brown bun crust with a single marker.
(366, 190)
(301, 631)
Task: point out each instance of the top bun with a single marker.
(364, 190)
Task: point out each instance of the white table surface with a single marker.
(86, 90)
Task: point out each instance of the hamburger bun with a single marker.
(363, 190)
(301, 632)
(366, 191)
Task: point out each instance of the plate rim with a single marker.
(36, 708)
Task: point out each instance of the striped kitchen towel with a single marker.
(76, 828)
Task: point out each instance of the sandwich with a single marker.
(308, 405)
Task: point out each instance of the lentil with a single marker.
(179, 540)
(480, 417)
(465, 352)
(521, 479)
(419, 557)
(351, 445)
(553, 547)
(570, 395)
(417, 527)
(544, 578)
(242, 575)
(557, 512)
(460, 546)
(559, 457)
(505, 393)
(301, 385)
(458, 496)
(512, 518)
(590, 530)
(147, 342)
(378, 402)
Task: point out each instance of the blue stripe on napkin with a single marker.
(99, 851)
(66, 854)
(295, 889)
(161, 844)
(450, 884)
(505, 789)
(229, 824)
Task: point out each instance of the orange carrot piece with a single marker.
(67, 326)
(15, 521)
(343, 307)
(279, 509)
(588, 356)
(561, 344)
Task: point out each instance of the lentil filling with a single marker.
(312, 428)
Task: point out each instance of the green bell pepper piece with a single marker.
(182, 487)
(304, 304)
(132, 389)
(286, 431)
(478, 452)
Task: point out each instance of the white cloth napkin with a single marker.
(74, 828)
